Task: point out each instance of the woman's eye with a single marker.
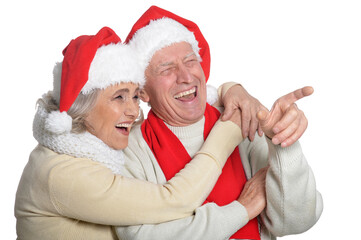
(119, 97)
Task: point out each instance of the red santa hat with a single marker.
(158, 28)
(90, 62)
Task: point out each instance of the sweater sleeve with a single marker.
(85, 190)
(209, 222)
(293, 202)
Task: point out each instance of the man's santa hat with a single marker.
(158, 28)
(90, 62)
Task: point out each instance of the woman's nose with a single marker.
(132, 109)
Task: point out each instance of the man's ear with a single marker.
(144, 95)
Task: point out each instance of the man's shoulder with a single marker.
(136, 143)
(136, 136)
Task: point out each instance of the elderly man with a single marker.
(266, 188)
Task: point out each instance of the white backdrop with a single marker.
(271, 47)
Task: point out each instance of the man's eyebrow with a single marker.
(170, 63)
(188, 55)
(166, 64)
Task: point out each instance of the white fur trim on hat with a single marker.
(58, 122)
(158, 34)
(112, 64)
(212, 95)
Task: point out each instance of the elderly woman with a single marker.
(72, 187)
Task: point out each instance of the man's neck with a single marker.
(190, 136)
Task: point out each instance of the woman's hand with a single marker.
(236, 118)
(237, 98)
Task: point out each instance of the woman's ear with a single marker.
(144, 95)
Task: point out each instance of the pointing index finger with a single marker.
(292, 97)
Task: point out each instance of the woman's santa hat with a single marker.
(158, 28)
(90, 62)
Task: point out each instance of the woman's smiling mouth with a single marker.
(124, 128)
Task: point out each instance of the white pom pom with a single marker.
(212, 94)
(58, 122)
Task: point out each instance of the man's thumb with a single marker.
(262, 116)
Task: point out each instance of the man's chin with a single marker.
(193, 117)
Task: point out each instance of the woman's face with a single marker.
(115, 110)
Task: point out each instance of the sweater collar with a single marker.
(82, 145)
(188, 132)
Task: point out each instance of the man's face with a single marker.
(175, 86)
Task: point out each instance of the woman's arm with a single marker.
(85, 190)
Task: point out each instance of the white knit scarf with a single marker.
(83, 145)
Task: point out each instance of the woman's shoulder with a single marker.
(43, 154)
(45, 160)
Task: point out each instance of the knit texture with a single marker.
(83, 145)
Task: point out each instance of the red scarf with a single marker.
(172, 157)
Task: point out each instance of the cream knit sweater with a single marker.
(59, 194)
(293, 203)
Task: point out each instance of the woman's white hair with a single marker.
(83, 104)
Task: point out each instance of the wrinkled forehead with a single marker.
(171, 54)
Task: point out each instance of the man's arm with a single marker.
(293, 203)
(209, 222)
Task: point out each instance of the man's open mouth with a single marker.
(187, 95)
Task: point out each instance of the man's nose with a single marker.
(184, 75)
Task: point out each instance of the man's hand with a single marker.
(285, 123)
(238, 98)
(253, 196)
